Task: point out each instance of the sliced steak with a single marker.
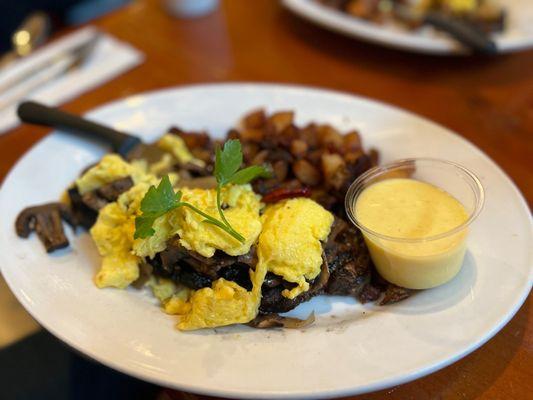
(348, 259)
(108, 193)
(195, 271)
(272, 300)
(83, 214)
(112, 190)
(85, 207)
(394, 294)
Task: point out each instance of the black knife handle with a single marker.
(467, 34)
(39, 114)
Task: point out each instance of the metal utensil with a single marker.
(31, 33)
(467, 34)
(22, 84)
(128, 146)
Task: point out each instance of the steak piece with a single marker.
(166, 266)
(208, 266)
(83, 214)
(238, 273)
(112, 190)
(265, 321)
(272, 300)
(195, 271)
(394, 294)
(177, 255)
(46, 221)
(388, 292)
(369, 293)
(85, 207)
(108, 193)
(348, 259)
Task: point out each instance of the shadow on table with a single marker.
(40, 367)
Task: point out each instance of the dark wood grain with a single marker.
(489, 101)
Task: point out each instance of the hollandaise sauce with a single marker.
(410, 219)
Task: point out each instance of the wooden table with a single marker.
(487, 100)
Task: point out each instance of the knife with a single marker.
(465, 33)
(128, 146)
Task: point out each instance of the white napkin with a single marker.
(109, 58)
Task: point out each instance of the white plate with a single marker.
(518, 34)
(351, 348)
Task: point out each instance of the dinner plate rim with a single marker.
(360, 389)
(367, 31)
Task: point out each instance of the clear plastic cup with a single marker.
(421, 262)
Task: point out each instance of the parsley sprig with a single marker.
(161, 199)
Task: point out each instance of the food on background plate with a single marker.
(486, 15)
(227, 234)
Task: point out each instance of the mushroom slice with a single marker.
(45, 220)
(277, 321)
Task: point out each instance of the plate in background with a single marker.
(518, 34)
(351, 348)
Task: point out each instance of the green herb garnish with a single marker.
(162, 199)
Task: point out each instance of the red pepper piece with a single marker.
(285, 193)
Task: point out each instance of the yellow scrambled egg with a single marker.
(225, 303)
(461, 6)
(113, 235)
(289, 244)
(196, 235)
(177, 147)
(109, 169)
(115, 226)
(174, 298)
(455, 6)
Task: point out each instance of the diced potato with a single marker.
(254, 120)
(281, 120)
(306, 172)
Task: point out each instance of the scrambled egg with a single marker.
(173, 298)
(163, 289)
(115, 225)
(109, 169)
(461, 6)
(163, 166)
(455, 6)
(196, 235)
(289, 244)
(242, 214)
(225, 303)
(178, 304)
(113, 235)
(177, 147)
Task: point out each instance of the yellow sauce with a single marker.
(409, 209)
